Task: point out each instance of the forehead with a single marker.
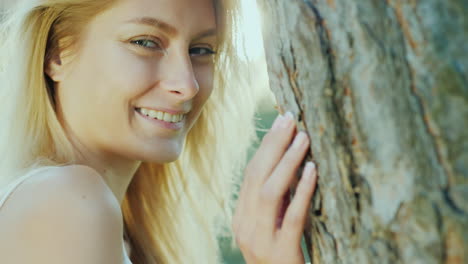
(186, 16)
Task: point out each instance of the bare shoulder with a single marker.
(74, 183)
(62, 215)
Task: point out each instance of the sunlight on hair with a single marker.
(252, 29)
(251, 26)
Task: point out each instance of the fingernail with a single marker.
(278, 121)
(287, 120)
(309, 169)
(299, 140)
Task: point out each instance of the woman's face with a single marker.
(139, 56)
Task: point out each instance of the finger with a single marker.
(258, 167)
(249, 173)
(270, 151)
(296, 214)
(275, 187)
(282, 211)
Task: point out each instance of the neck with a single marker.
(116, 171)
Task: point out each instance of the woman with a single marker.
(127, 120)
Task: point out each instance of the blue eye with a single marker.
(147, 44)
(199, 51)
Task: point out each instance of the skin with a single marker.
(119, 65)
(268, 228)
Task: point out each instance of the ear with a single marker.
(54, 68)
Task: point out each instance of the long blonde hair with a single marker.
(173, 212)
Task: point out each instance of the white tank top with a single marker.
(17, 182)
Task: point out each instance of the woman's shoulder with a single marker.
(64, 176)
(61, 204)
(57, 184)
(72, 183)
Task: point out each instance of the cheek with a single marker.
(129, 72)
(104, 83)
(205, 76)
(111, 71)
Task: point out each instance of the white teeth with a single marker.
(152, 113)
(167, 117)
(162, 115)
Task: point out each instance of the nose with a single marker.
(178, 77)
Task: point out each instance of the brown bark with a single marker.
(381, 87)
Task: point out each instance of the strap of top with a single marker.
(13, 185)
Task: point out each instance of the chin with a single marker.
(160, 151)
(159, 157)
(161, 160)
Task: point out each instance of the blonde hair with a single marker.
(173, 213)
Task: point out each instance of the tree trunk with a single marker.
(381, 87)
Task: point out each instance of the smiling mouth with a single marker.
(162, 116)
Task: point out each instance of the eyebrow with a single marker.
(170, 30)
(206, 33)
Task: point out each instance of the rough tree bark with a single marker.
(381, 87)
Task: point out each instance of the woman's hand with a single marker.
(267, 228)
